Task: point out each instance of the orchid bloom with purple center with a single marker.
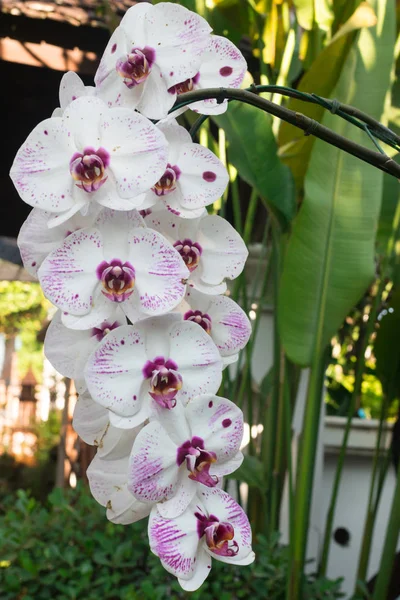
(163, 358)
(212, 526)
(193, 179)
(91, 154)
(153, 49)
(117, 261)
(211, 248)
(182, 449)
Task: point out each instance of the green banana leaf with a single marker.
(320, 79)
(252, 150)
(330, 256)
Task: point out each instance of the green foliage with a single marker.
(47, 435)
(330, 257)
(252, 149)
(67, 550)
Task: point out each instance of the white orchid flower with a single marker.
(220, 316)
(210, 247)
(154, 49)
(213, 526)
(92, 154)
(182, 450)
(193, 179)
(164, 358)
(117, 261)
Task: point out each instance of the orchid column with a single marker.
(123, 246)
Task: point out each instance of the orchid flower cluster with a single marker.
(123, 246)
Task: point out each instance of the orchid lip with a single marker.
(104, 329)
(88, 168)
(198, 461)
(135, 67)
(117, 278)
(165, 381)
(167, 183)
(185, 86)
(202, 319)
(219, 535)
(190, 252)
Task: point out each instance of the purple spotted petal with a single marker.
(153, 470)
(176, 542)
(219, 422)
(68, 274)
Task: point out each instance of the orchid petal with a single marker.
(176, 542)
(219, 422)
(124, 509)
(160, 272)
(68, 274)
(66, 349)
(90, 419)
(224, 252)
(153, 468)
(40, 171)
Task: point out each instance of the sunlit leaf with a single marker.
(330, 256)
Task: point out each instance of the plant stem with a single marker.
(373, 501)
(352, 406)
(389, 548)
(305, 474)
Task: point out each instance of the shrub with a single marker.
(67, 550)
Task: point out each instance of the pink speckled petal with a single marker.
(231, 328)
(227, 467)
(103, 310)
(176, 541)
(184, 494)
(173, 421)
(40, 170)
(132, 422)
(138, 150)
(36, 240)
(222, 65)
(181, 43)
(90, 420)
(113, 372)
(153, 470)
(219, 422)
(201, 571)
(68, 275)
(220, 504)
(66, 349)
(124, 509)
(197, 358)
(160, 272)
(224, 252)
